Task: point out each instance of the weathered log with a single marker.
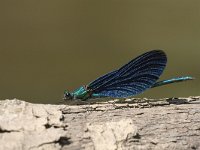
(170, 123)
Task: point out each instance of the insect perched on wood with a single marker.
(131, 79)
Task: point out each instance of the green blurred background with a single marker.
(47, 46)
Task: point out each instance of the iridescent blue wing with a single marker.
(133, 78)
(99, 82)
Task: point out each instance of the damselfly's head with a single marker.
(67, 95)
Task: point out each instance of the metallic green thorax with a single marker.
(81, 93)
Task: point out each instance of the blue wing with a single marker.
(133, 78)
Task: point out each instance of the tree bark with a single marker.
(169, 123)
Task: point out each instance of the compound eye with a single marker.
(67, 95)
